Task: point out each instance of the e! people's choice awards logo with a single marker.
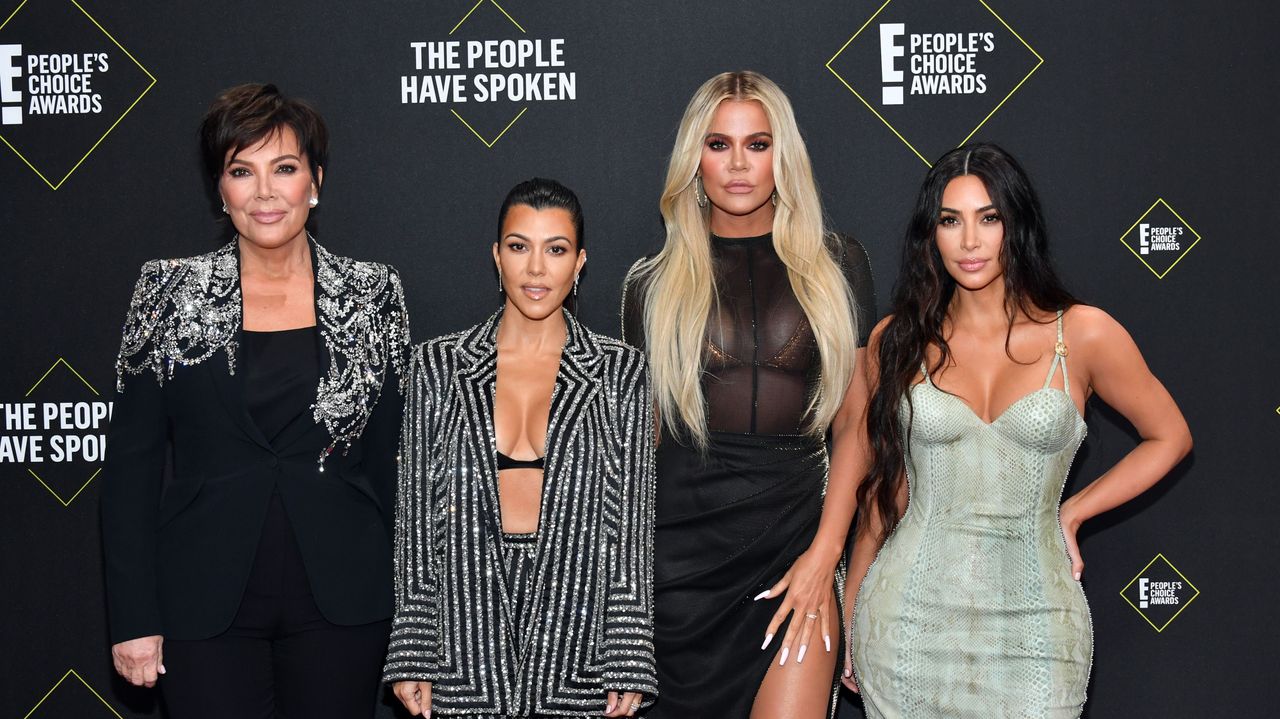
(1159, 593)
(488, 72)
(934, 71)
(1160, 238)
(65, 83)
(57, 432)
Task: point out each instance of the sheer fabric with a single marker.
(760, 357)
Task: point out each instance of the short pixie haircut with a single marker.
(245, 115)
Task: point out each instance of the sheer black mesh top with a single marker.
(760, 357)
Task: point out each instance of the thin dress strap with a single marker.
(1059, 358)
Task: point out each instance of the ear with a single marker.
(496, 262)
(318, 180)
(582, 260)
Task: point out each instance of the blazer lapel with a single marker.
(230, 384)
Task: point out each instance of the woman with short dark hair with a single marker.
(524, 529)
(257, 579)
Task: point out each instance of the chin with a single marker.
(538, 310)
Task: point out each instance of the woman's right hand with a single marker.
(140, 661)
(415, 696)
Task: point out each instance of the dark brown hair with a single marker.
(922, 299)
(245, 115)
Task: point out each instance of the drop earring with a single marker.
(575, 287)
(224, 209)
(500, 288)
(699, 193)
(774, 198)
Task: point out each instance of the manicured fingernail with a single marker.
(161, 669)
(1077, 576)
(800, 655)
(761, 595)
(783, 660)
(609, 708)
(848, 672)
(767, 638)
(827, 641)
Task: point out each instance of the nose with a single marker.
(265, 189)
(969, 237)
(537, 264)
(738, 158)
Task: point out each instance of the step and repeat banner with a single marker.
(1147, 126)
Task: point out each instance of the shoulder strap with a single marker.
(1059, 358)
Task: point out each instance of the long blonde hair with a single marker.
(681, 280)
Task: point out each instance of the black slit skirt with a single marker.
(729, 525)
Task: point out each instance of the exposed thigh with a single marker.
(327, 670)
(800, 690)
(226, 676)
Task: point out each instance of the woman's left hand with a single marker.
(627, 706)
(809, 593)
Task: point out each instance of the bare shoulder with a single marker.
(1091, 328)
(878, 331)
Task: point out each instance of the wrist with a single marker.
(827, 550)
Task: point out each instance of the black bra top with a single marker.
(505, 462)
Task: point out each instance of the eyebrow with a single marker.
(725, 134)
(509, 235)
(274, 161)
(980, 209)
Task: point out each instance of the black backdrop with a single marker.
(1133, 102)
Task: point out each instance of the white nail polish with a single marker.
(767, 638)
(1077, 576)
(800, 654)
(761, 595)
(827, 641)
(783, 660)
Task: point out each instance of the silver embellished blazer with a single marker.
(179, 548)
(590, 626)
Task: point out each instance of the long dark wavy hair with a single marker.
(923, 296)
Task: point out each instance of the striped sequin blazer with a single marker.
(590, 626)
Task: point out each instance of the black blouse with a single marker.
(282, 371)
(760, 359)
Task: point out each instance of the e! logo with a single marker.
(10, 71)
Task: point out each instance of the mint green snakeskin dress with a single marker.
(970, 609)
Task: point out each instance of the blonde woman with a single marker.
(752, 317)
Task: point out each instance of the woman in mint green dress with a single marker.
(973, 605)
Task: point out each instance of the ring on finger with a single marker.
(635, 706)
(811, 616)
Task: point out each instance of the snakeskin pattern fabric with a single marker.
(970, 609)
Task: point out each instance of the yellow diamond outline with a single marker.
(894, 130)
(72, 672)
(1167, 206)
(61, 361)
(1159, 555)
(488, 143)
(109, 129)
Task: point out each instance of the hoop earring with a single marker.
(774, 198)
(699, 193)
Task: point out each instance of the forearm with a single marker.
(848, 466)
(1147, 464)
